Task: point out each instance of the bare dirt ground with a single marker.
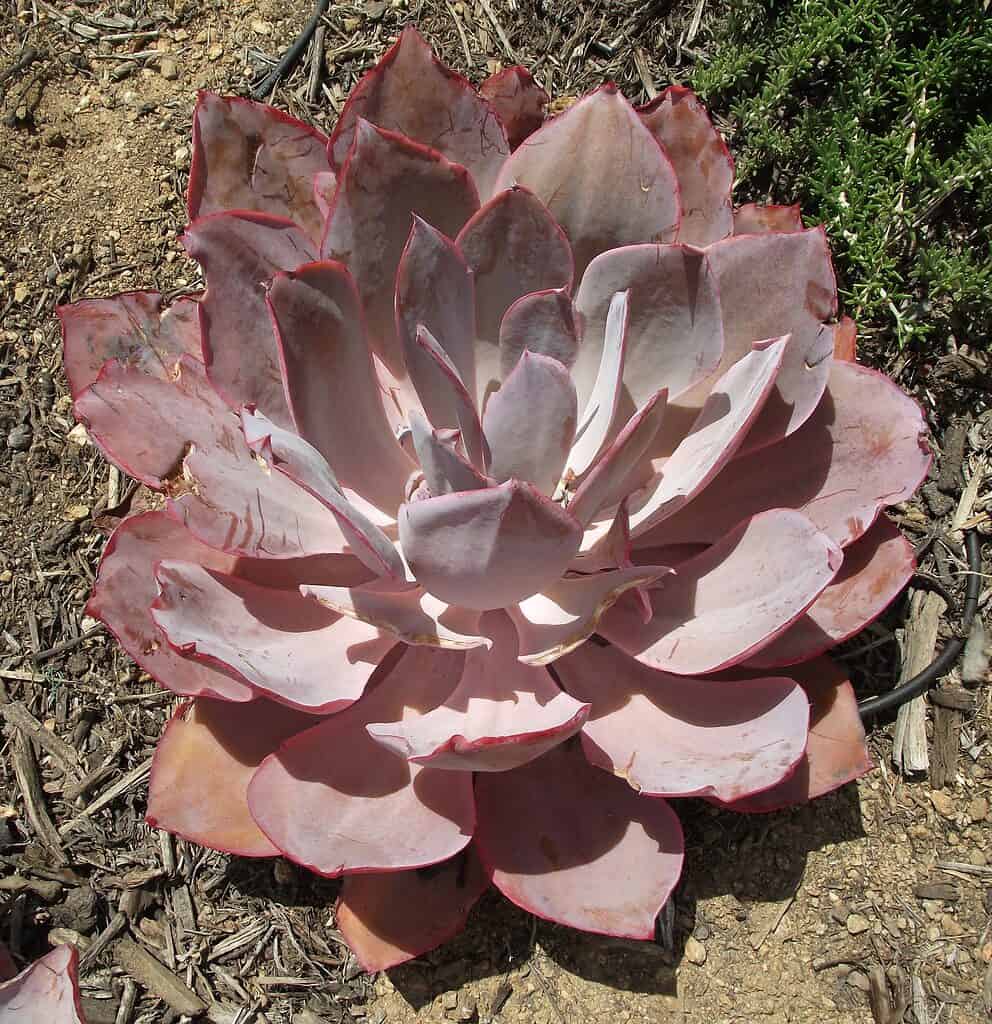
(872, 904)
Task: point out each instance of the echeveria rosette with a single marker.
(514, 483)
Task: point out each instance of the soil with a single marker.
(871, 904)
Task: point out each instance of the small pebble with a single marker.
(943, 802)
(857, 979)
(19, 439)
(168, 69)
(858, 923)
(978, 809)
(695, 951)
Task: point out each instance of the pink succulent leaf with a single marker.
(330, 798)
(756, 219)
(444, 468)
(489, 548)
(518, 100)
(530, 422)
(248, 156)
(703, 164)
(240, 253)
(836, 751)
(732, 406)
(862, 450)
(411, 92)
(675, 736)
(411, 615)
(325, 184)
(384, 182)
(605, 483)
(771, 285)
(567, 163)
(145, 423)
(572, 844)
(594, 428)
(732, 600)
(215, 740)
(675, 333)
(846, 339)
(876, 568)
(280, 643)
(434, 288)
(301, 463)
(541, 322)
(566, 613)
(514, 247)
(501, 714)
(333, 393)
(133, 328)
(390, 918)
(46, 992)
(441, 387)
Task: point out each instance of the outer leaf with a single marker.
(247, 156)
(330, 797)
(755, 219)
(541, 322)
(239, 253)
(530, 422)
(501, 714)
(570, 843)
(702, 162)
(384, 182)
(875, 570)
(133, 328)
(333, 393)
(671, 736)
(490, 548)
(387, 919)
(215, 740)
(568, 161)
(411, 92)
(280, 643)
(47, 992)
(862, 450)
(518, 100)
(731, 600)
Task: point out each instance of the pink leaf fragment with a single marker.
(488, 548)
(240, 253)
(390, 918)
(675, 334)
(133, 328)
(518, 100)
(330, 797)
(249, 156)
(675, 736)
(46, 992)
(411, 92)
(333, 393)
(501, 714)
(530, 422)
(280, 643)
(846, 340)
(703, 164)
(862, 450)
(444, 468)
(225, 743)
(876, 568)
(733, 599)
(836, 751)
(514, 247)
(541, 322)
(384, 182)
(572, 844)
(566, 613)
(568, 162)
(755, 219)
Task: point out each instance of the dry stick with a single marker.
(157, 978)
(491, 15)
(26, 770)
(123, 784)
(67, 645)
(461, 34)
(116, 925)
(316, 64)
(18, 716)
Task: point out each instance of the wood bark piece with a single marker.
(19, 717)
(26, 771)
(909, 746)
(946, 743)
(153, 975)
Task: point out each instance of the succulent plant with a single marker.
(45, 992)
(513, 483)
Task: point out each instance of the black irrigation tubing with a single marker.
(292, 55)
(944, 661)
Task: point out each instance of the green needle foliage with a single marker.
(875, 116)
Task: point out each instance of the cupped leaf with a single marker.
(675, 736)
(444, 468)
(518, 100)
(572, 844)
(602, 175)
(543, 323)
(224, 743)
